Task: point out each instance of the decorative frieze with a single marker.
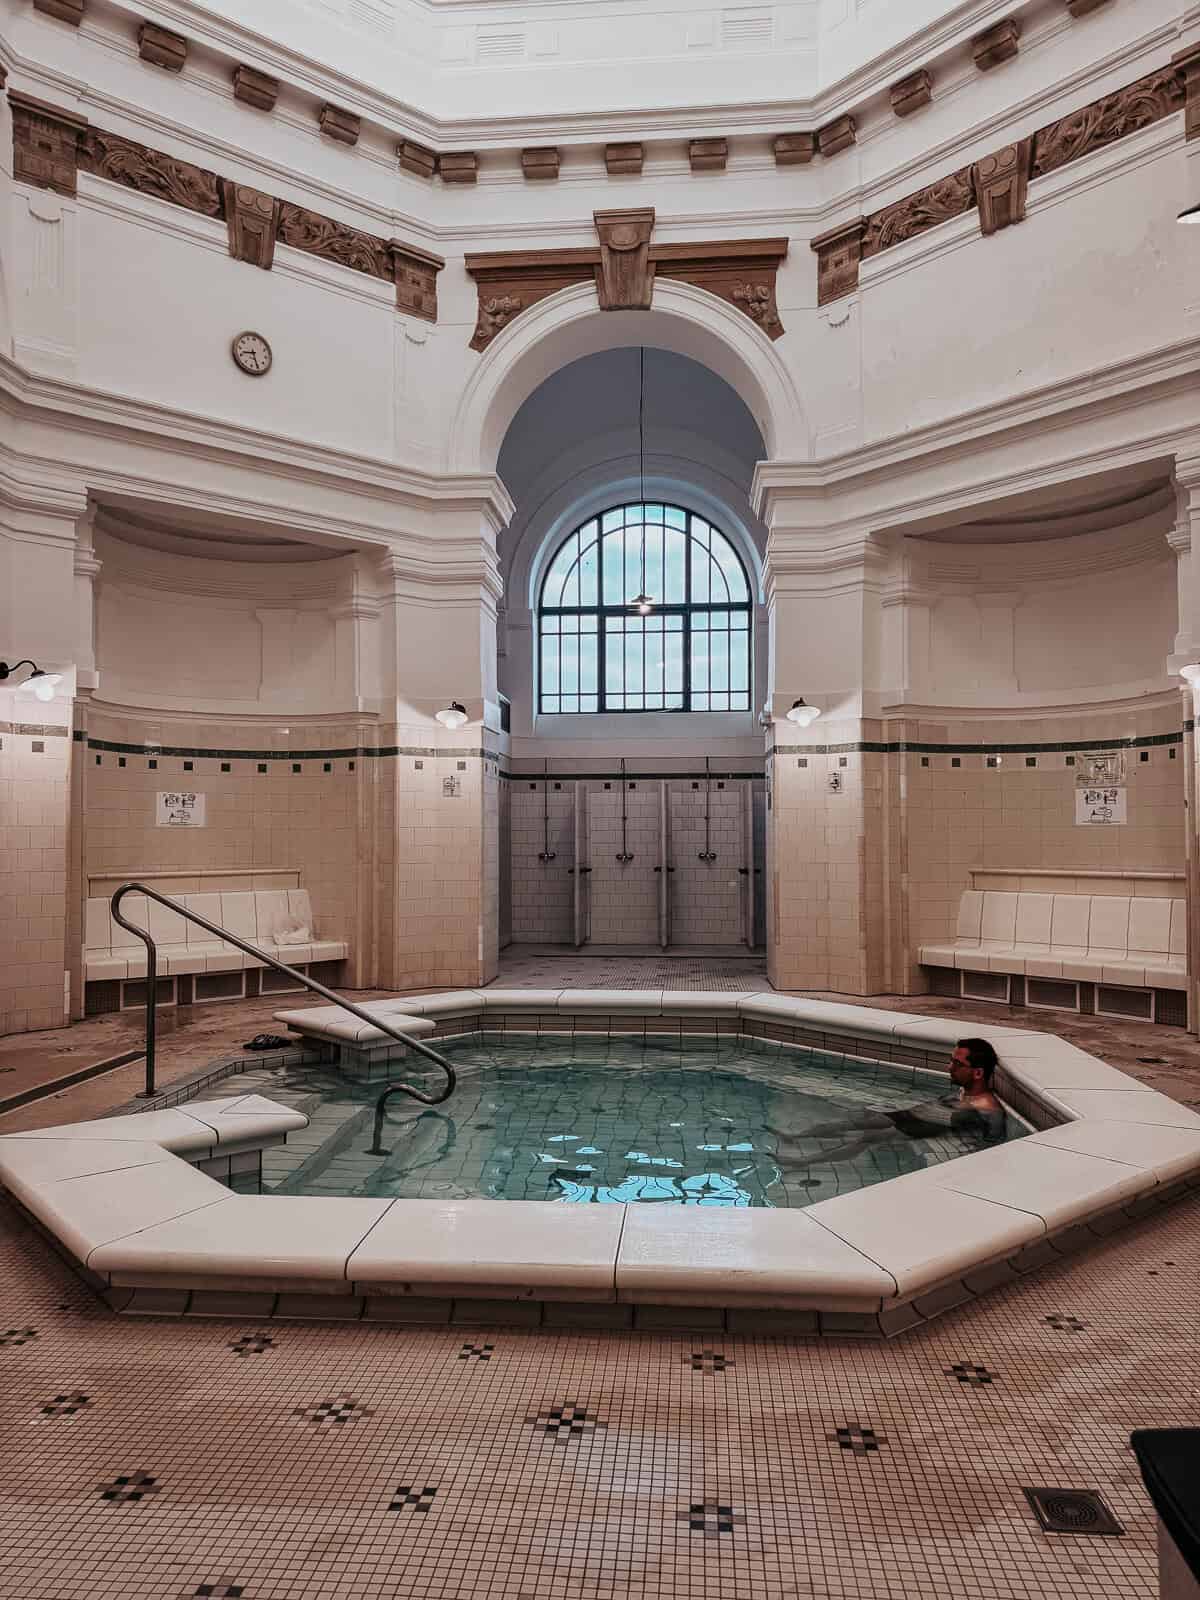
(416, 158)
(912, 93)
(838, 252)
(1000, 182)
(1123, 112)
(459, 166)
(1187, 64)
(252, 218)
(708, 155)
(904, 219)
(835, 136)
(997, 44)
(254, 88)
(623, 159)
(108, 155)
(334, 241)
(45, 143)
(65, 10)
(794, 149)
(161, 47)
(342, 126)
(625, 268)
(416, 271)
(625, 276)
(540, 162)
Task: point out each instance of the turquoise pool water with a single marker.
(724, 1122)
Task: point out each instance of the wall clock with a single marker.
(252, 354)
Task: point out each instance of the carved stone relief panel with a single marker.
(838, 252)
(334, 241)
(624, 276)
(45, 143)
(904, 219)
(1001, 181)
(161, 47)
(794, 149)
(255, 88)
(1125, 111)
(1187, 65)
(510, 281)
(416, 279)
(911, 93)
(416, 158)
(997, 44)
(739, 271)
(252, 218)
(107, 155)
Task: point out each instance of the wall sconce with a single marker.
(43, 683)
(1191, 673)
(452, 716)
(1191, 214)
(804, 715)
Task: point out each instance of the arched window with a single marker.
(644, 608)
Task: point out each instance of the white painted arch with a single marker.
(569, 325)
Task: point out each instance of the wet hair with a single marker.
(982, 1055)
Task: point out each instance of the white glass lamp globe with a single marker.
(803, 714)
(644, 604)
(453, 716)
(44, 684)
(1190, 216)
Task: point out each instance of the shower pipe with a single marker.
(625, 855)
(243, 945)
(545, 853)
(708, 853)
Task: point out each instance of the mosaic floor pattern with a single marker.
(163, 1460)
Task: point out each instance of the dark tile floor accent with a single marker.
(18, 1335)
(967, 1372)
(252, 1344)
(708, 1361)
(66, 1405)
(1065, 1324)
(409, 1498)
(1072, 1511)
(131, 1486)
(343, 1408)
(476, 1352)
(219, 1589)
(858, 1439)
(711, 1518)
(565, 1421)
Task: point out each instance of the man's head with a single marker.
(972, 1065)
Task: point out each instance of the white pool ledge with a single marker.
(122, 1196)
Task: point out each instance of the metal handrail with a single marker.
(259, 955)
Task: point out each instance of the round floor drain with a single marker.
(1072, 1511)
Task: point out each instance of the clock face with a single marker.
(252, 353)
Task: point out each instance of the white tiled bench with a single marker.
(215, 968)
(1132, 950)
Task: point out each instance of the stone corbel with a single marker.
(341, 126)
(625, 273)
(254, 88)
(252, 219)
(912, 93)
(997, 44)
(1187, 65)
(45, 143)
(1001, 182)
(416, 273)
(65, 10)
(161, 47)
(839, 252)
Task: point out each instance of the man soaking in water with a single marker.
(972, 1110)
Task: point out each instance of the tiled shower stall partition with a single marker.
(35, 760)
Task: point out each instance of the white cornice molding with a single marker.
(1154, 697)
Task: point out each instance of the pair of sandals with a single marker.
(267, 1041)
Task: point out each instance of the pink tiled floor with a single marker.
(251, 1495)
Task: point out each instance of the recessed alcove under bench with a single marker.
(125, 1199)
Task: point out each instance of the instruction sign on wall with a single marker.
(179, 809)
(1101, 808)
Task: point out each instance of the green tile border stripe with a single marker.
(1029, 747)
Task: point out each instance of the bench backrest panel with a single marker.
(255, 915)
(1113, 925)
